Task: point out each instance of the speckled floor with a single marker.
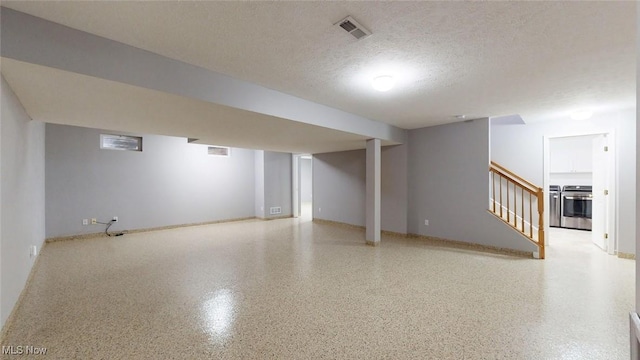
(292, 289)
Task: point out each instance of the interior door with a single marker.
(600, 208)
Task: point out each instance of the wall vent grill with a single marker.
(354, 28)
(219, 151)
(120, 142)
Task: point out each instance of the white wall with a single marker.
(306, 188)
(170, 182)
(339, 185)
(22, 190)
(520, 148)
(449, 186)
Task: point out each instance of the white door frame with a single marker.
(612, 245)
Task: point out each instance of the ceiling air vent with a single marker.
(353, 27)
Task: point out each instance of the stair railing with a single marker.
(513, 199)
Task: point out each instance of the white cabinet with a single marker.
(571, 154)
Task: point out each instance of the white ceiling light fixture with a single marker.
(581, 115)
(383, 82)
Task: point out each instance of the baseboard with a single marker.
(102, 234)
(622, 255)
(393, 233)
(18, 304)
(473, 246)
(275, 217)
(435, 241)
(338, 223)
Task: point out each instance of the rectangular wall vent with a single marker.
(275, 210)
(219, 151)
(353, 27)
(120, 142)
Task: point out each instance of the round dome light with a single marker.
(383, 83)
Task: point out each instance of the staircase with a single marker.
(518, 203)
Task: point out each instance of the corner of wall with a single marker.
(22, 189)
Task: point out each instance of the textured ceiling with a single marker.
(537, 59)
(62, 97)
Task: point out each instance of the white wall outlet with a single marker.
(33, 251)
(94, 221)
(115, 219)
(85, 221)
(319, 210)
(275, 210)
(426, 222)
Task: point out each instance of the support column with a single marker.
(373, 191)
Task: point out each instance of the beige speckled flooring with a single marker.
(292, 289)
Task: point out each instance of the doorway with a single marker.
(303, 186)
(582, 166)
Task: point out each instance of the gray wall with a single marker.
(448, 185)
(637, 152)
(277, 183)
(339, 181)
(339, 187)
(259, 183)
(170, 182)
(306, 187)
(394, 204)
(22, 191)
(520, 148)
(273, 183)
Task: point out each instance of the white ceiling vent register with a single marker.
(353, 27)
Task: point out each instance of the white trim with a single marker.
(612, 245)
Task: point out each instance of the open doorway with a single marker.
(579, 175)
(303, 186)
(306, 187)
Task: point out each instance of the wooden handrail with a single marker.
(514, 177)
(515, 185)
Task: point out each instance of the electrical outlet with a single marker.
(33, 251)
(426, 222)
(115, 219)
(85, 221)
(94, 221)
(319, 210)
